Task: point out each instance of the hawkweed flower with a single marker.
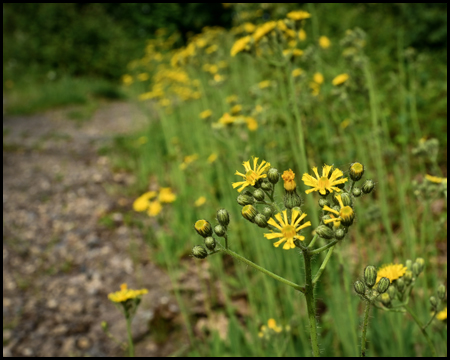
(324, 42)
(302, 35)
(142, 202)
(263, 30)
(391, 271)
(442, 315)
(340, 79)
(318, 78)
(166, 195)
(200, 201)
(345, 214)
(356, 171)
(252, 124)
(288, 231)
(264, 84)
(251, 175)
(154, 208)
(324, 184)
(298, 15)
(240, 45)
(289, 182)
(205, 114)
(126, 294)
(212, 158)
(296, 72)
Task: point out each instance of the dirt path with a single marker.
(59, 263)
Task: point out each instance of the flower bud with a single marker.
(408, 277)
(356, 171)
(323, 202)
(368, 186)
(292, 199)
(260, 220)
(400, 285)
(370, 276)
(421, 263)
(345, 197)
(220, 230)
(258, 194)
(408, 264)
(273, 175)
(339, 234)
(416, 269)
(223, 217)
(249, 212)
(267, 212)
(433, 302)
(199, 252)
(385, 299)
(356, 192)
(324, 232)
(289, 182)
(392, 291)
(383, 285)
(245, 200)
(360, 288)
(204, 228)
(441, 292)
(210, 242)
(347, 215)
(267, 186)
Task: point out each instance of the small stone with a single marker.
(83, 343)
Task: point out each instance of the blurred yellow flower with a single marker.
(142, 202)
(165, 102)
(154, 208)
(340, 79)
(435, 179)
(218, 78)
(264, 84)
(187, 160)
(212, 158)
(205, 114)
(227, 119)
(442, 315)
(391, 271)
(222, 64)
(297, 52)
(166, 195)
(344, 124)
(318, 78)
(292, 43)
(127, 79)
(240, 45)
(200, 201)
(258, 109)
(230, 99)
(249, 27)
(211, 49)
(324, 42)
(298, 15)
(315, 88)
(143, 77)
(272, 324)
(125, 294)
(302, 35)
(252, 124)
(297, 72)
(236, 109)
(264, 29)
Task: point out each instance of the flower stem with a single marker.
(263, 270)
(424, 333)
(130, 338)
(313, 241)
(323, 248)
(310, 303)
(322, 267)
(364, 330)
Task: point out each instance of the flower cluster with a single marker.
(152, 201)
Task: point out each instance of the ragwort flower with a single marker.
(324, 183)
(288, 232)
(345, 214)
(391, 271)
(251, 175)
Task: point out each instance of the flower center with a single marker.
(357, 168)
(289, 231)
(251, 177)
(346, 213)
(323, 183)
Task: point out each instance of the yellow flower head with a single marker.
(143, 77)
(391, 271)
(205, 114)
(340, 79)
(297, 72)
(435, 179)
(142, 202)
(251, 175)
(302, 35)
(154, 208)
(227, 119)
(318, 78)
(240, 45)
(264, 84)
(324, 183)
(125, 294)
(127, 79)
(289, 182)
(252, 124)
(249, 27)
(298, 15)
(200, 201)
(442, 315)
(272, 324)
(324, 42)
(166, 195)
(345, 214)
(264, 29)
(212, 158)
(236, 109)
(288, 232)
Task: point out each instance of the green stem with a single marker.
(263, 270)
(424, 333)
(364, 330)
(323, 266)
(310, 303)
(310, 245)
(130, 338)
(429, 321)
(323, 248)
(226, 241)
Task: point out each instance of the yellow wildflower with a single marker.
(258, 109)
(297, 52)
(340, 79)
(391, 271)
(252, 124)
(442, 315)
(318, 78)
(205, 114)
(249, 27)
(297, 72)
(166, 195)
(288, 232)
(264, 29)
(165, 102)
(281, 25)
(324, 42)
(154, 208)
(125, 294)
(302, 35)
(212, 158)
(289, 182)
(240, 45)
(435, 179)
(218, 78)
(142, 202)
(272, 324)
(345, 214)
(236, 109)
(251, 175)
(187, 160)
(298, 15)
(227, 119)
(200, 201)
(213, 69)
(264, 84)
(315, 87)
(211, 49)
(322, 184)
(143, 77)
(127, 79)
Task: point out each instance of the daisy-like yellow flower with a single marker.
(298, 15)
(435, 179)
(324, 42)
(391, 271)
(251, 175)
(442, 315)
(264, 29)
(324, 183)
(200, 201)
(289, 182)
(252, 124)
(154, 208)
(205, 114)
(297, 72)
(272, 324)
(125, 294)
(340, 79)
(166, 195)
(288, 232)
(264, 84)
(236, 109)
(212, 158)
(302, 35)
(142, 202)
(345, 214)
(240, 45)
(227, 119)
(318, 78)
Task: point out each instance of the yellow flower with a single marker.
(297, 52)
(345, 214)
(297, 72)
(252, 124)
(230, 99)
(324, 42)
(249, 27)
(288, 232)
(236, 109)
(435, 179)
(251, 175)
(127, 79)
(264, 84)
(302, 35)
(200, 201)
(211, 49)
(125, 294)
(281, 25)
(340, 79)
(315, 87)
(213, 69)
(143, 77)
(218, 78)
(240, 45)
(154, 208)
(142, 202)
(227, 119)
(318, 78)
(205, 114)
(166, 195)
(391, 271)
(298, 15)
(323, 183)
(442, 315)
(289, 182)
(187, 160)
(272, 324)
(264, 29)
(212, 158)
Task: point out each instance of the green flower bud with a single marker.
(267, 186)
(223, 217)
(433, 302)
(260, 220)
(401, 286)
(356, 171)
(408, 277)
(267, 212)
(383, 285)
(339, 234)
(245, 200)
(385, 299)
(249, 212)
(416, 268)
(356, 192)
(370, 276)
(324, 232)
(199, 252)
(247, 192)
(441, 292)
(368, 186)
(220, 230)
(210, 242)
(345, 197)
(347, 215)
(258, 194)
(273, 175)
(323, 202)
(392, 291)
(292, 199)
(360, 288)
(336, 208)
(204, 228)
(421, 263)
(408, 264)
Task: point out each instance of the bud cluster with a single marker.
(370, 289)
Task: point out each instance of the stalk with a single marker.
(130, 338)
(364, 330)
(422, 329)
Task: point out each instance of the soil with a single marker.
(59, 260)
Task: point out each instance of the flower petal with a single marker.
(273, 235)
